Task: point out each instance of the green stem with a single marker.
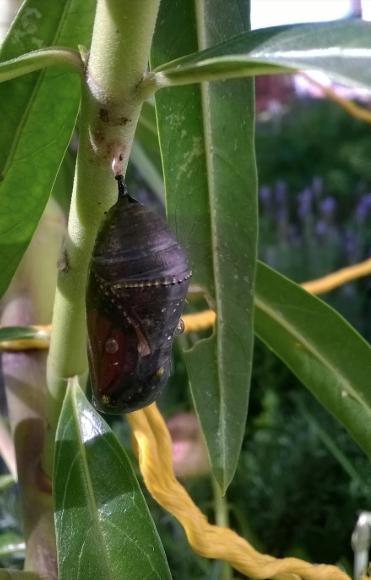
(39, 59)
(221, 519)
(218, 70)
(110, 108)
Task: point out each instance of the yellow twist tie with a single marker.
(154, 447)
(205, 319)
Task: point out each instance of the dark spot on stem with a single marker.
(123, 120)
(104, 115)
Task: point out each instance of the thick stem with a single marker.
(110, 108)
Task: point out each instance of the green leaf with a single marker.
(20, 332)
(38, 113)
(146, 131)
(341, 49)
(11, 543)
(327, 354)
(103, 526)
(206, 140)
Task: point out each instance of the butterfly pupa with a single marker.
(137, 283)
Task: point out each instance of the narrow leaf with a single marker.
(342, 49)
(38, 113)
(20, 332)
(103, 526)
(206, 139)
(327, 354)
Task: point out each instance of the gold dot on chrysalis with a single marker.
(111, 345)
(179, 329)
(160, 372)
(106, 400)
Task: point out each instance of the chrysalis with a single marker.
(138, 280)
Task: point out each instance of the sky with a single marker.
(265, 13)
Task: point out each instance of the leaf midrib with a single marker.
(313, 350)
(201, 37)
(93, 503)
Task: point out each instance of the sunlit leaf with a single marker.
(327, 354)
(103, 526)
(341, 49)
(206, 139)
(38, 113)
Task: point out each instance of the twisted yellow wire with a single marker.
(338, 278)
(350, 107)
(205, 319)
(154, 448)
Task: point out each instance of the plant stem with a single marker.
(110, 108)
(221, 519)
(39, 59)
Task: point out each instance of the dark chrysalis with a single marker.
(138, 280)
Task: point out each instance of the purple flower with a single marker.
(363, 208)
(304, 202)
(327, 206)
(280, 193)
